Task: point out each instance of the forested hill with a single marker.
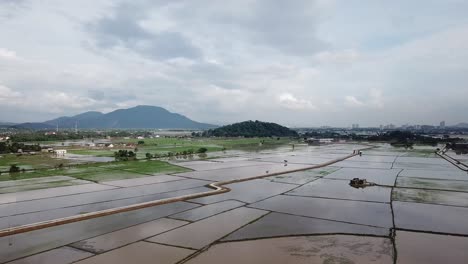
(251, 129)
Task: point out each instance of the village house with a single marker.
(60, 152)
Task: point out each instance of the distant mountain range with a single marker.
(6, 124)
(461, 125)
(142, 116)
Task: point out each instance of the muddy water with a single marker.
(430, 248)
(301, 250)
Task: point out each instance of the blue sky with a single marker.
(299, 63)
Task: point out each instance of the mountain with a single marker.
(33, 125)
(6, 124)
(142, 116)
(252, 129)
(461, 125)
(71, 121)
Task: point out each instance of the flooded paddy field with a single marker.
(413, 211)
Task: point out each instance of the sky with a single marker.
(297, 63)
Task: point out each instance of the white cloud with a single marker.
(7, 94)
(238, 60)
(338, 57)
(353, 101)
(376, 98)
(289, 101)
(7, 54)
(229, 100)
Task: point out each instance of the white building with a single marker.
(60, 152)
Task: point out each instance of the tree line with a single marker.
(13, 147)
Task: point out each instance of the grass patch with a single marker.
(165, 145)
(102, 171)
(38, 161)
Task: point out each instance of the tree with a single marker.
(141, 142)
(124, 155)
(202, 150)
(14, 168)
(149, 156)
(3, 147)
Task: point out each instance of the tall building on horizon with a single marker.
(442, 124)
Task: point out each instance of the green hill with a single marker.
(252, 129)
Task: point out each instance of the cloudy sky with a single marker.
(299, 63)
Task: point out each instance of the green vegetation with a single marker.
(251, 129)
(124, 155)
(162, 147)
(202, 150)
(102, 171)
(406, 139)
(14, 168)
(24, 161)
(7, 147)
(45, 164)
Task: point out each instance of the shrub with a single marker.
(14, 168)
(202, 150)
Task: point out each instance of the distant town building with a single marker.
(47, 149)
(442, 124)
(319, 141)
(355, 126)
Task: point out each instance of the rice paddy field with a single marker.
(45, 164)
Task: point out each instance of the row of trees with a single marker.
(13, 147)
(396, 138)
(176, 154)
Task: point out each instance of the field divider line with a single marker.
(452, 160)
(218, 188)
